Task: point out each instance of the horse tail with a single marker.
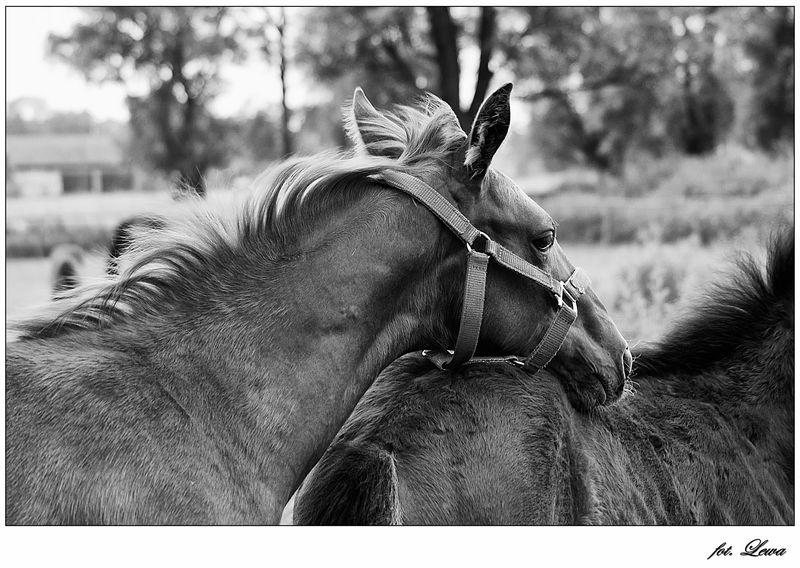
(65, 262)
(732, 313)
(351, 485)
(125, 234)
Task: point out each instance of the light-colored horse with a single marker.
(203, 384)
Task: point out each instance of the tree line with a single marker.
(602, 83)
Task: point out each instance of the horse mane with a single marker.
(731, 315)
(165, 264)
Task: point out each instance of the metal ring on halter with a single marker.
(487, 243)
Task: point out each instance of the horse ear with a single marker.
(366, 127)
(488, 131)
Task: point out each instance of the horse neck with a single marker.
(289, 347)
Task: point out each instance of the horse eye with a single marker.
(545, 241)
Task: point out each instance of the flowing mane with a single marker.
(165, 264)
(732, 315)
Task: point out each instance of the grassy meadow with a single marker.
(649, 239)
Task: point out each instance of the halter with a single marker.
(480, 249)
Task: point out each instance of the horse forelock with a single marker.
(428, 130)
(165, 263)
(734, 314)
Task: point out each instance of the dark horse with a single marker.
(707, 438)
(126, 233)
(65, 264)
(66, 260)
(203, 384)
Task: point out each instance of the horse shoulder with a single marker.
(115, 455)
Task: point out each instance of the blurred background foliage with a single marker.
(601, 86)
(636, 128)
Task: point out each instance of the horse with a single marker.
(125, 234)
(65, 264)
(203, 384)
(707, 438)
(66, 261)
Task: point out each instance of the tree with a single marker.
(769, 44)
(280, 26)
(398, 52)
(176, 53)
(700, 109)
(606, 81)
(274, 46)
(593, 75)
(445, 33)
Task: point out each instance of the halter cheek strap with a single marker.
(565, 293)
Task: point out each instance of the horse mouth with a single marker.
(608, 391)
(595, 390)
(589, 390)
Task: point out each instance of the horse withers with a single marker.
(202, 384)
(707, 437)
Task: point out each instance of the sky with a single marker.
(30, 72)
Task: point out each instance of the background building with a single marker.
(52, 164)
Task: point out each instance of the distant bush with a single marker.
(715, 197)
(730, 171)
(647, 287)
(40, 239)
(590, 218)
(648, 292)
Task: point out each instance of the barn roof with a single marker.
(53, 150)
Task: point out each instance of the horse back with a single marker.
(449, 447)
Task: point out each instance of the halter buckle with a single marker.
(564, 293)
(559, 294)
(572, 305)
(579, 280)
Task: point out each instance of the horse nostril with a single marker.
(627, 362)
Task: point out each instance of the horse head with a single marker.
(593, 360)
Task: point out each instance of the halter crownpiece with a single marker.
(480, 249)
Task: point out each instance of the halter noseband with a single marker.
(565, 293)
